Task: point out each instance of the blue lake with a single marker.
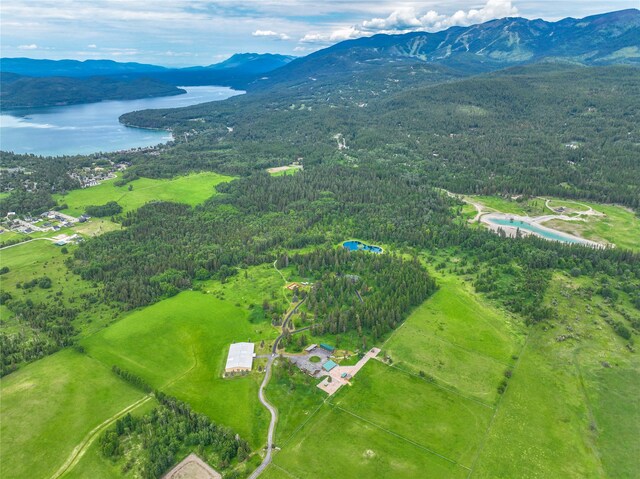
(534, 229)
(92, 127)
(359, 246)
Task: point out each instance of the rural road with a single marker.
(272, 410)
(28, 241)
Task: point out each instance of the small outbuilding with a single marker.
(329, 365)
(240, 357)
(326, 347)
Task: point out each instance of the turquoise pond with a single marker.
(550, 235)
(360, 246)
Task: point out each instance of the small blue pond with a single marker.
(359, 246)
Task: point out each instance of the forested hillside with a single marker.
(24, 92)
(543, 129)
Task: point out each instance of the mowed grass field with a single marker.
(460, 340)
(191, 189)
(180, 346)
(48, 407)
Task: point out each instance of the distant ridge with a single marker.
(609, 38)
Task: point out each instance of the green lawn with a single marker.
(295, 396)
(191, 189)
(180, 345)
(48, 407)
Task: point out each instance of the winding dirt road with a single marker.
(272, 410)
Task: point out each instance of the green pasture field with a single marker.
(571, 407)
(619, 226)
(191, 189)
(295, 396)
(335, 443)
(291, 171)
(430, 416)
(96, 227)
(94, 465)
(48, 407)
(180, 345)
(39, 258)
(359, 433)
(458, 339)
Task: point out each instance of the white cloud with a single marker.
(93, 45)
(339, 35)
(269, 33)
(409, 19)
(31, 46)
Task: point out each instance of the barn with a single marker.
(240, 357)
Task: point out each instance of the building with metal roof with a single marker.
(326, 347)
(329, 365)
(240, 357)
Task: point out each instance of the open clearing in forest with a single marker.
(191, 189)
(617, 225)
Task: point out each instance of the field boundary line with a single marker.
(81, 448)
(28, 241)
(587, 402)
(388, 431)
(495, 411)
(286, 441)
(290, 474)
(445, 388)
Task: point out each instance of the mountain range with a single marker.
(416, 57)
(610, 38)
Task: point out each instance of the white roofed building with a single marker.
(240, 357)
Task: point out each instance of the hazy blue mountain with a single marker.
(73, 68)
(240, 63)
(253, 62)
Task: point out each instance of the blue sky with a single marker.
(201, 32)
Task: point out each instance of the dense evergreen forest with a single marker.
(360, 291)
(23, 92)
(542, 129)
(166, 246)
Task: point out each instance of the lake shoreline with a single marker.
(92, 128)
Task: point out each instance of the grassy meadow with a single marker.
(459, 340)
(49, 406)
(35, 259)
(179, 345)
(571, 407)
(191, 189)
